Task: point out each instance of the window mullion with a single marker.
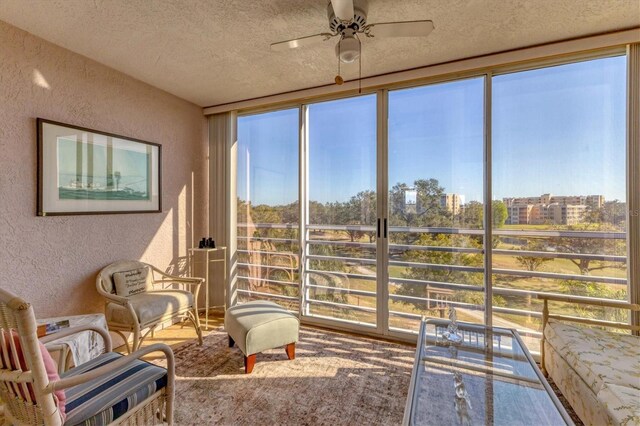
(488, 213)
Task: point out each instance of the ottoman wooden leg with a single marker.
(231, 341)
(249, 362)
(291, 350)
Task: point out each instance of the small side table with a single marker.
(80, 347)
(211, 255)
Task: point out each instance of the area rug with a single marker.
(336, 379)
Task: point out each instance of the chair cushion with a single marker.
(598, 356)
(150, 306)
(103, 400)
(135, 281)
(260, 325)
(622, 404)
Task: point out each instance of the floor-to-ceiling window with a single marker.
(556, 136)
(436, 191)
(268, 210)
(558, 141)
(340, 274)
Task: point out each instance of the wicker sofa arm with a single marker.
(116, 365)
(591, 301)
(583, 300)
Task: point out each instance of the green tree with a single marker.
(599, 290)
(532, 262)
(586, 245)
(317, 213)
(612, 213)
(361, 210)
(473, 214)
(500, 214)
(440, 274)
(615, 213)
(426, 212)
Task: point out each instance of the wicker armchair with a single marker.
(99, 391)
(149, 309)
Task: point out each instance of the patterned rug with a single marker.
(336, 379)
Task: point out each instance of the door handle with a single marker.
(378, 228)
(386, 233)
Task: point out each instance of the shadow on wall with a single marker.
(179, 266)
(160, 239)
(172, 237)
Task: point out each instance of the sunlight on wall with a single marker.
(183, 222)
(39, 80)
(161, 245)
(192, 206)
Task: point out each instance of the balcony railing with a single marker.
(257, 285)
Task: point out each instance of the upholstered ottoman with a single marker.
(258, 326)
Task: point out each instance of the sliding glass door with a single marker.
(340, 278)
(268, 210)
(371, 211)
(559, 171)
(435, 202)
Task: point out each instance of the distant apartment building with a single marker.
(452, 202)
(551, 209)
(519, 214)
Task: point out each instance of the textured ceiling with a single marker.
(217, 51)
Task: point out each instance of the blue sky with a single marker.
(559, 130)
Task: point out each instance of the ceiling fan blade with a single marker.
(343, 9)
(300, 42)
(401, 29)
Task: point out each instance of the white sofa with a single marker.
(597, 371)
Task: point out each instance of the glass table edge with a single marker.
(406, 421)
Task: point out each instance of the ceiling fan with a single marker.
(348, 19)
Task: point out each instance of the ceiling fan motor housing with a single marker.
(348, 48)
(358, 22)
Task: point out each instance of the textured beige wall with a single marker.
(52, 261)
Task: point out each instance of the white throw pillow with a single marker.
(133, 282)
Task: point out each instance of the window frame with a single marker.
(633, 185)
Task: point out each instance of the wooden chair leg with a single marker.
(249, 362)
(291, 350)
(231, 342)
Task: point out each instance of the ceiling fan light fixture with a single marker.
(348, 48)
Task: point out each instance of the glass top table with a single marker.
(489, 378)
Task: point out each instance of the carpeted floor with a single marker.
(336, 379)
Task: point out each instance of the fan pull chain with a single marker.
(359, 67)
(339, 80)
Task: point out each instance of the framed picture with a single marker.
(83, 171)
